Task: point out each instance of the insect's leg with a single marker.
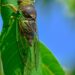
(10, 23)
(11, 19)
(10, 6)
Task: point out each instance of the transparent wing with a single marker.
(23, 50)
(30, 28)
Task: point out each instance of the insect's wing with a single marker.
(31, 27)
(36, 47)
(29, 54)
(24, 49)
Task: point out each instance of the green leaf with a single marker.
(11, 58)
(70, 6)
(6, 13)
(10, 54)
(50, 62)
(12, 61)
(1, 66)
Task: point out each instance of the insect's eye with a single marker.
(29, 11)
(20, 1)
(26, 15)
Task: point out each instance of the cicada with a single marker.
(26, 33)
(28, 27)
(28, 23)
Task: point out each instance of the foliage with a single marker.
(10, 61)
(70, 4)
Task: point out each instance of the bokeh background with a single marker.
(56, 30)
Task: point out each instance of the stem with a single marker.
(1, 66)
(6, 13)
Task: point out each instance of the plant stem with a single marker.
(6, 13)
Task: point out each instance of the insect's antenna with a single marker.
(10, 5)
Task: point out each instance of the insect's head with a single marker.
(29, 11)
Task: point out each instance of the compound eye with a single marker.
(20, 1)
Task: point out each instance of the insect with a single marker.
(29, 28)
(26, 34)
